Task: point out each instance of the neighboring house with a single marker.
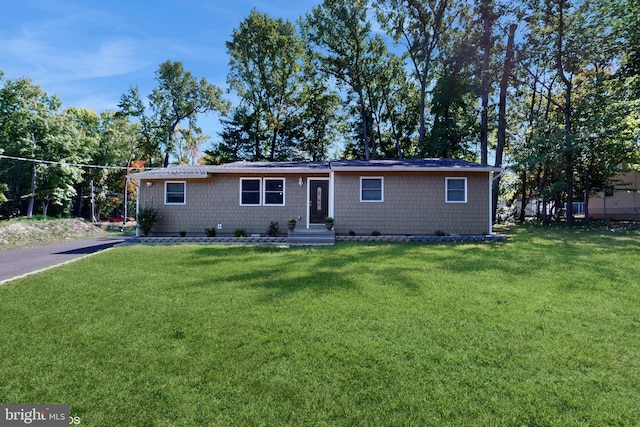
(401, 197)
(621, 201)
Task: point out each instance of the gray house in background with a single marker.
(394, 197)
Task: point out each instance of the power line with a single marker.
(49, 162)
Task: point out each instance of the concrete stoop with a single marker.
(300, 237)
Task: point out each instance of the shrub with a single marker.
(375, 233)
(274, 229)
(210, 232)
(352, 233)
(147, 217)
(440, 233)
(240, 232)
(182, 233)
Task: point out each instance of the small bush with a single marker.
(352, 233)
(274, 229)
(182, 233)
(240, 232)
(210, 232)
(375, 233)
(147, 217)
(440, 233)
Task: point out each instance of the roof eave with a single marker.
(167, 176)
(270, 170)
(413, 169)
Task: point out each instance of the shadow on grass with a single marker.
(286, 271)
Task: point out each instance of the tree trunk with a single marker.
(365, 125)
(45, 207)
(32, 193)
(567, 116)
(587, 191)
(421, 107)
(484, 87)
(502, 114)
(524, 197)
(79, 199)
(272, 151)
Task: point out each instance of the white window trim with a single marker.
(259, 192)
(381, 178)
(184, 183)
(263, 191)
(446, 189)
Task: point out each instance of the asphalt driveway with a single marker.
(15, 263)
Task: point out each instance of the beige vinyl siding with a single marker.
(216, 200)
(414, 203)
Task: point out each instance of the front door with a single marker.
(319, 201)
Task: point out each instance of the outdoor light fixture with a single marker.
(300, 181)
(149, 183)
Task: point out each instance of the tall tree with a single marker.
(179, 96)
(339, 31)
(32, 125)
(502, 116)
(487, 17)
(266, 58)
(419, 25)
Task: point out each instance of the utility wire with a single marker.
(48, 162)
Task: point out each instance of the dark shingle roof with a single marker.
(202, 171)
(409, 164)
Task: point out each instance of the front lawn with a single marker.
(543, 330)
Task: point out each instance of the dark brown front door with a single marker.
(319, 201)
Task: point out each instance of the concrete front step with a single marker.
(311, 237)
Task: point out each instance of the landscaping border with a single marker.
(264, 240)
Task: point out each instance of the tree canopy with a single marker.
(549, 90)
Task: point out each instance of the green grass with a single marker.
(543, 330)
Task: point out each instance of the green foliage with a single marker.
(286, 110)
(375, 233)
(32, 125)
(210, 232)
(147, 217)
(541, 330)
(274, 229)
(240, 232)
(179, 96)
(182, 233)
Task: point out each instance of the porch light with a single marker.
(300, 181)
(149, 183)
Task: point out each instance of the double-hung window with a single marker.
(274, 191)
(262, 192)
(456, 190)
(175, 193)
(371, 189)
(250, 189)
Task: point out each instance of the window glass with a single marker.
(456, 190)
(250, 192)
(174, 193)
(274, 191)
(371, 189)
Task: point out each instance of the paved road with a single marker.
(18, 262)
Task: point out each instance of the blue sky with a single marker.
(90, 52)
